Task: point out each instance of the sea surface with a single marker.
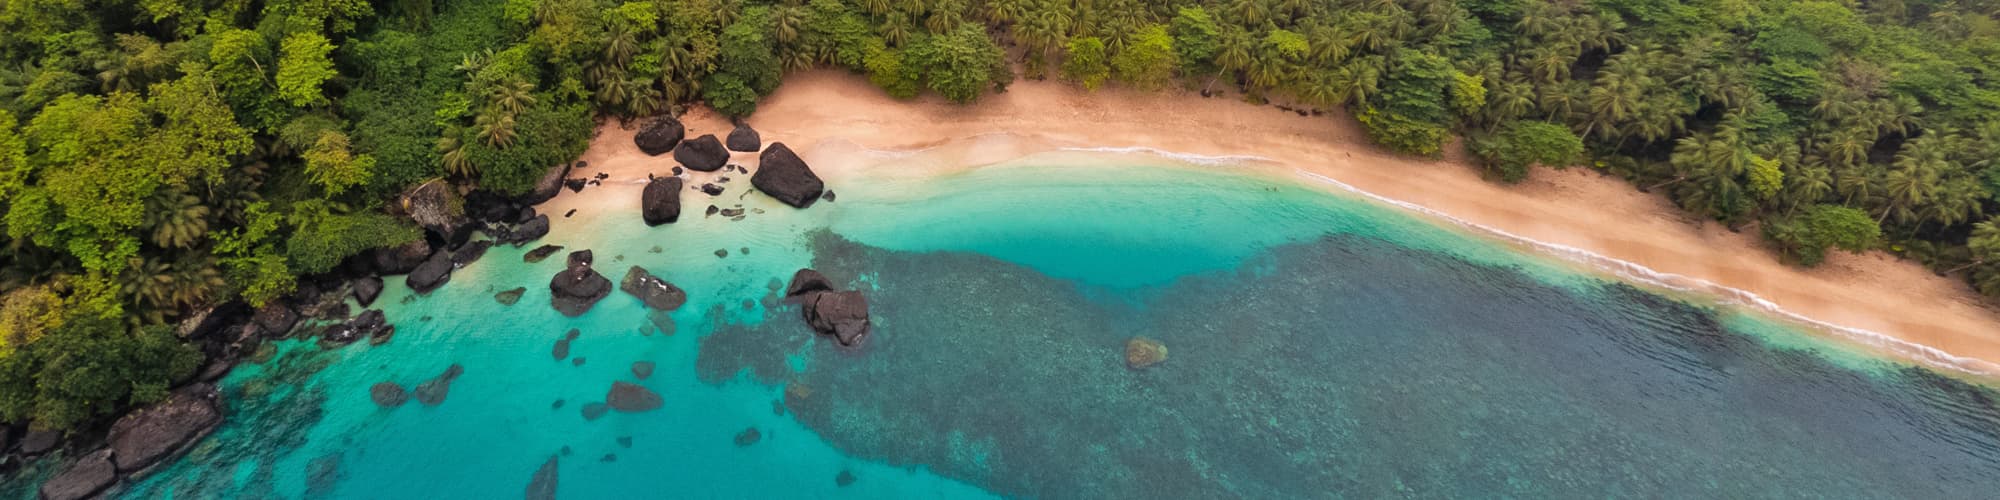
(1320, 345)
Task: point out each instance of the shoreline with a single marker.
(1873, 300)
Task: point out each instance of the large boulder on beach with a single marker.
(367, 289)
(432, 392)
(548, 186)
(781, 174)
(629, 397)
(656, 293)
(145, 436)
(844, 315)
(534, 229)
(660, 202)
(744, 139)
(659, 136)
(577, 287)
(433, 273)
(83, 479)
(401, 259)
(703, 154)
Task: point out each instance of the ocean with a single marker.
(1319, 345)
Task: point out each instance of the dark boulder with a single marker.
(656, 293)
(37, 442)
(711, 189)
(275, 319)
(485, 206)
(470, 252)
(433, 273)
(575, 185)
(744, 139)
(749, 437)
(388, 394)
(575, 289)
(84, 478)
(642, 369)
(432, 392)
(844, 315)
(660, 203)
(592, 411)
(145, 436)
(781, 174)
(401, 259)
(534, 229)
(630, 397)
(539, 253)
(548, 187)
(370, 323)
(543, 485)
(509, 297)
(807, 281)
(704, 154)
(367, 289)
(580, 258)
(436, 206)
(659, 136)
(843, 479)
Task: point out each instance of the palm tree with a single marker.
(877, 7)
(619, 46)
(1807, 184)
(178, 219)
(512, 97)
(1006, 11)
(786, 21)
(454, 155)
(1984, 244)
(942, 18)
(495, 129)
(1613, 100)
(1509, 100)
(895, 28)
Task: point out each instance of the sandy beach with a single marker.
(824, 113)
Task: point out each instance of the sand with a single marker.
(824, 113)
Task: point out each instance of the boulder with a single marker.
(367, 289)
(1142, 352)
(432, 392)
(275, 319)
(388, 394)
(711, 189)
(844, 315)
(470, 252)
(534, 229)
(784, 176)
(704, 154)
(593, 411)
(37, 442)
(578, 287)
(629, 397)
(749, 437)
(843, 479)
(562, 345)
(509, 297)
(543, 485)
(548, 187)
(143, 437)
(83, 478)
(539, 253)
(660, 203)
(370, 323)
(744, 139)
(437, 207)
(401, 259)
(656, 293)
(807, 281)
(659, 136)
(433, 273)
(642, 369)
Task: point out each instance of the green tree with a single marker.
(332, 165)
(303, 68)
(1806, 236)
(1519, 145)
(1148, 60)
(1085, 62)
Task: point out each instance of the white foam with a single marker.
(1204, 160)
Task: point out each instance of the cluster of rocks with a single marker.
(136, 442)
(656, 293)
(842, 315)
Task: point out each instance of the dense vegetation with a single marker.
(159, 156)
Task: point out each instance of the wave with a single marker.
(1203, 160)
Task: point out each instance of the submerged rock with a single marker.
(744, 139)
(370, 323)
(388, 394)
(702, 154)
(562, 345)
(433, 273)
(509, 297)
(659, 136)
(711, 189)
(656, 293)
(642, 369)
(83, 478)
(629, 397)
(145, 436)
(543, 485)
(578, 287)
(660, 203)
(1142, 352)
(748, 437)
(843, 479)
(593, 411)
(540, 253)
(781, 174)
(367, 289)
(432, 392)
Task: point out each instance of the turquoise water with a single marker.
(1319, 346)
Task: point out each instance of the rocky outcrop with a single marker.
(433, 391)
(371, 323)
(711, 189)
(659, 136)
(145, 436)
(807, 281)
(534, 229)
(388, 394)
(548, 186)
(704, 154)
(539, 253)
(275, 319)
(841, 314)
(433, 273)
(367, 289)
(401, 259)
(578, 287)
(1142, 352)
(660, 203)
(37, 442)
(436, 207)
(543, 485)
(470, 252)
(656, 293)
(629, 397)
(84, 478)
(744, 139)
(781, 174)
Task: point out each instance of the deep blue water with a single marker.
(1319, 346)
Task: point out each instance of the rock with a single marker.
(660, 203)
(642, 369)
(744, 139)
(432, 392)
(556, 405)
(575, 185)
(524, 215)
(629, 397)
(844, 315)
(370, 323)
(562, 345)
(678, 171)
(388, 394)
(485, 206)
(534, 229)
(625, 441)
(593, 411)
(214, 370)
(807, 281)
(433, 273)
(711, 189)
(275, 319)
(656, 293)
(382, 336)
(367, 289)
(843, 479)
(702, 154)
(509, 297)
(401, 259)
(143, 437)
(1142, 352)
(828, 196)
(470, 252)
(569, 213)
(549, 186)
(540, 253)
(609, 457)
(578, 287)
(712, 210)
(580, 258)
(748, 437)
(721, 253)
(37, 442)
(659, 136)
(543, 485)
(784, 176)
(732, 212)
(437, 207)
(577, 362)
(82, 479)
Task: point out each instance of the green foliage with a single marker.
(303, 68)
(323, 238)
(1468, 93)
(88, 365)
(333, 166)
(1764, 178)
(1789, 81)
(1403, 134)
(14, 167)
(961, 64)
(1085, 62)
(1148, 60)
(1196, 37)
(1519, 145)
(886, 70)
(1807, 236)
